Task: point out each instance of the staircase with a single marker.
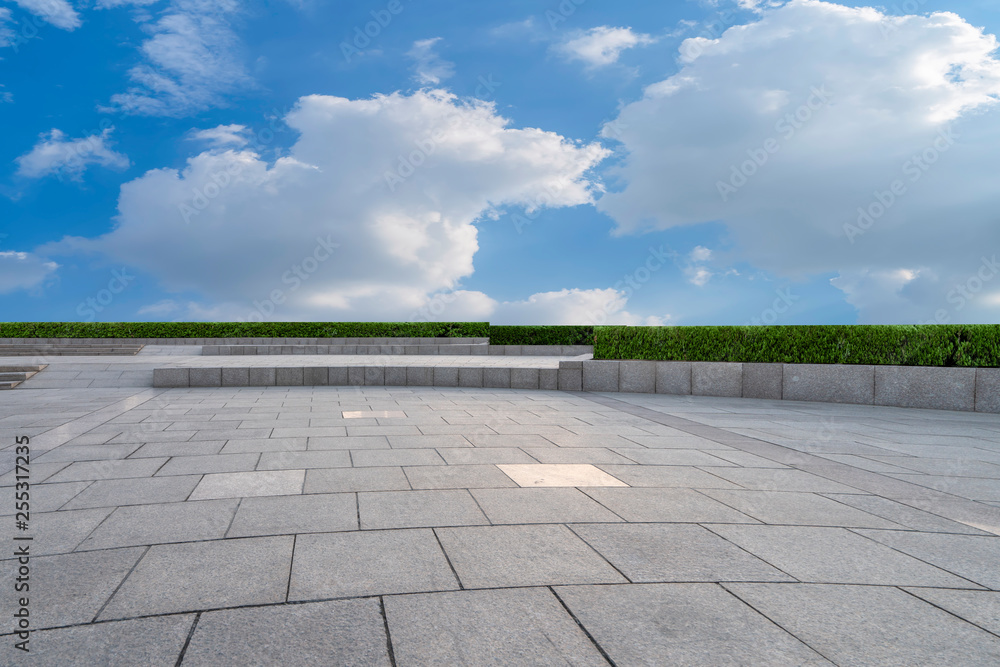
(62, 350)
(11, 376)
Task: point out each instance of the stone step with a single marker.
(21, 368)
(66, 350)
(421, 349)
(14, 377)
(8, 385)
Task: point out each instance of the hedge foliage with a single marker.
(541, 335)
(244, 329)
(901, 345)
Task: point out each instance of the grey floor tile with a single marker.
(682, 624)
(488, 628)
(47, 497)
(507, 556)
(413, 509)
(337, 480)
(600, 440)
(575, 455)
(70, 588)
(457, 456)
(682, 441)
(198, 465)
(40, 472)
(363, 563)
(835, 556)
(980, 608)
(111, 469)
(871, 625)
(87, 453)
(140, 491)
(401, 457)
(243, 445)
(457, 477)
(353, 442)
(427, 441)
(155, 642)
(747, 460)
(670, 457)
(342, 632)
(249, 484)
(970, 556)
(765, 479)
(201, 448)
(171, 522)
(486, 440)
(220, 573)
(904, 515)
(795, 508)
(675, 505)
(973, 488)
(61, 532)
(666, 476)
(553, 505)
(284, 515)
(664, 552)
(303, 460)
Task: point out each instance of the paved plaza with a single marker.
(451, 526)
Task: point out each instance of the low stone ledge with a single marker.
(926, 387)
(723, 379)
(828, 383)
(988, 390)
(673, 377)
(762, 381)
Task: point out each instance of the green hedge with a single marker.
(902, 345)
(541, 335)
(243, 329)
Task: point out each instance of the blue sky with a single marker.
(539, 162)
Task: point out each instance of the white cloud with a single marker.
(429, 67)
(888, 89)
(23, 270)
(701, 254)
(110, 4)
(55, 154)
(6, 97)
(601, 46)
(223, 135)
(258, 223)
(6, 32)
(160, 308)
(192, 61)
(57, 12)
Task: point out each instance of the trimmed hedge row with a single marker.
(901, 345)
(244, 329)
(542, 335)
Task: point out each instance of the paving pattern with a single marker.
(448, 526)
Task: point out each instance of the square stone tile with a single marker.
(661, 476)
(576, 455)
(47, 497)
(304, 460)
(220, 573)
(349, 442)
(373, 414)
(507, 440)
(139, 491)
(674, 552)
(904, 515)
(804, 509)
(67, 589)
(336, 565)
(87, 453)
(396, 457)
(981, 608)
(767, 479)
(199, 465)
(341, 632)
(674, 505)
(835, 556)
(457, 477)
(283, 515)
(412, 509)
(559, 474)
(871, 625)
(141, 525)
(110, 469)
(506, 556)
(334, 480)
(670, 457)
(540, 506)
(257, 445)
(144, 641)
(493, 627)
(248, 484)
(682, 624)
(973, 557)
(428, 441)
(200, 448)
(60, 532)
(459, 456)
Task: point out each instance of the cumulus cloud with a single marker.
(791, 128)
(56, 12)
(54, 154)
(191, 62)
(350, 223)
(601, 46)
(23, 270)
(430, 68)
(223, 135)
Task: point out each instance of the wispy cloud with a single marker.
(223, 135)
(430, 67)
(54, 154)
(601, 46)
(191, 63)
(57, 12)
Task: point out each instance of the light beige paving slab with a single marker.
(249, 484)
(558, 474)
(373, 414)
